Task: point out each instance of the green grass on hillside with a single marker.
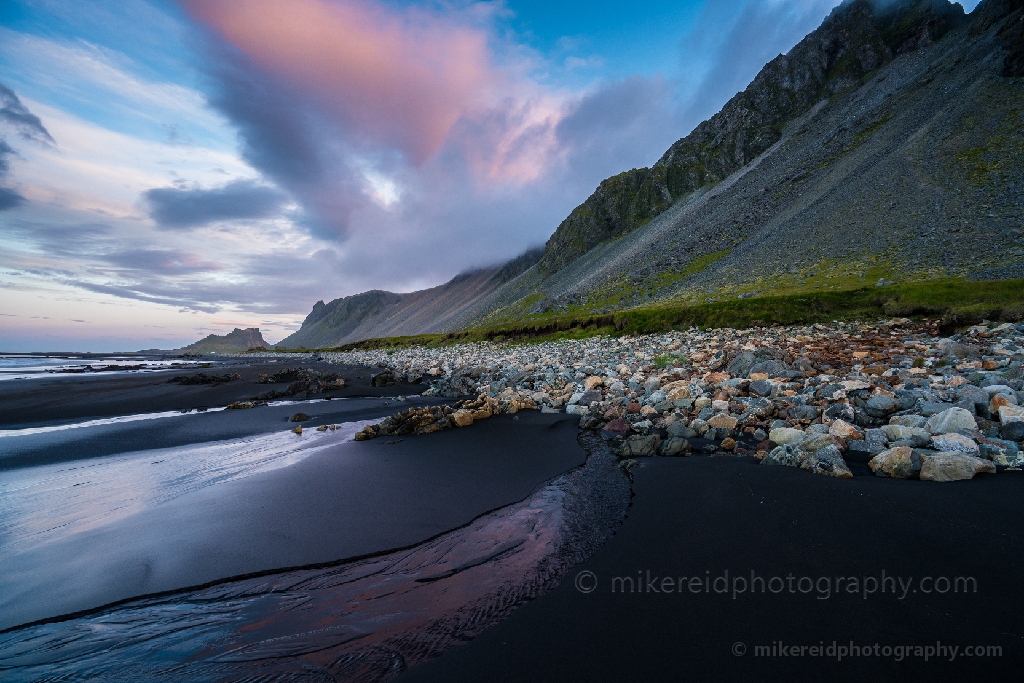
(957, 302)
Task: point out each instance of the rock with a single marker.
(383, 379)
(908, 420)
(1012, 431)
(1003, 453)
(785, 435)
(298, 430)
(1008, 414)
(590, 396)
(881, 406)
(899, 463)
(929, 409)
(919, 436)
(844, 430)
(804, 413)
(675, 446)
(955, 442)
(762, 388)
(950, 420)
(699, 426)
(616, 427)
(628, 464)
(298, 417)
(592, 382)
(787, 455)
(812, 443)
(463, 418)
(723, 420)
(772, 368)
(827, 461)
(241, 405)
(953, 467)
(679, 428)
(640, 446)
(741, 364)
(642, 427)
(633, 408)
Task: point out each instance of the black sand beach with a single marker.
(67, 398)
(702, 516)
(349, 500)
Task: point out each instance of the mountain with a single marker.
(887, 146)
(385, 314)
(232, 342)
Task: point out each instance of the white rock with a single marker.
(1011, 414)
(950, 420)
(785, 435)
(955, 442)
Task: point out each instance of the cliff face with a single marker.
(856, 39)
(233, 342)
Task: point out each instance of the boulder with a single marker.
(640, 446)
(844, 430)
(723, 420)
(787, 455)
(772, 368)
(1012, 431)
(785, 435)
(908, 420)
(674, 446)
(950, 420)
(827, 461)
(760, 387)
(1008, 414)
(1003, 453)
(615, 428)
(919, 437)
(463, 418)
(592, 382)
(955, 442)
(881, 406)
(953, 467)
(899, 463)
(298, 417)
(814, 442)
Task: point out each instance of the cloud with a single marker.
(173, 207)
(401, 81)
(9, 199)
(14, 113)
(164, 261)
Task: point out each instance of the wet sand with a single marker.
(67, 398)
(700, 516)
(349, 500)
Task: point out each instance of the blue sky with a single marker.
(172, 169)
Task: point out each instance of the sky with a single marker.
(172, 169)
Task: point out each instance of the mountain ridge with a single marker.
(886, 145)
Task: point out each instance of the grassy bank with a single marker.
(956, 302)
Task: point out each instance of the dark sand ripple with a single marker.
(364, 620)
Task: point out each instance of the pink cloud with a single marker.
(400, 81)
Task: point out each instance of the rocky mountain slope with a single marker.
(385, 314)
(887, 146)
(232, 342)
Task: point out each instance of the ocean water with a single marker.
(45, 503)
(21, 366)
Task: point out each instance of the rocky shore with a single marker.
(894, 395)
